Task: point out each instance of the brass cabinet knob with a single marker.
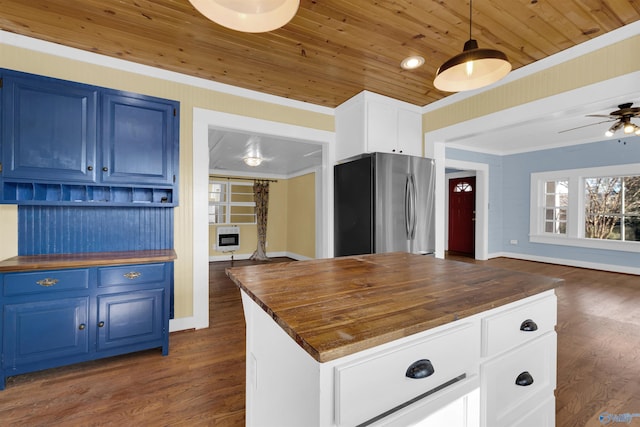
(82, 326)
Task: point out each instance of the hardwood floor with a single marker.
(201, 382)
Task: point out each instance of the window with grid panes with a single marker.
(231, 202)
(595, 207)
(612, 208)
(555, 208)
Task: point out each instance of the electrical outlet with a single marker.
(513, 241)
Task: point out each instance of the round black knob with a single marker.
(89, 168)
(100, 324)
(82, 326)
(104, 168)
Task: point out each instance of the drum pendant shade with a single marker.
(249, 16)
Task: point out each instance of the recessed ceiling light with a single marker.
(412, 62)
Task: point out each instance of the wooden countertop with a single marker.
(336, 307)
(89, 259)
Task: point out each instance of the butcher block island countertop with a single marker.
(336, 307)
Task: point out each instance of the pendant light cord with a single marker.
(470, 13)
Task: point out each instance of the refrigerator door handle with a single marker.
(413, 204)
(407, 207)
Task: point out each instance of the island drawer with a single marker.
(514, 383)
(378, 383)
(515, 326)
(46, 281)
(135, 274)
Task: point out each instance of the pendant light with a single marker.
(473, 68)
(249, 16)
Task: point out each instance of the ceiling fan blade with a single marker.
(590, 124)
(602, 115)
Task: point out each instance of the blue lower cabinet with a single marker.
(45, 330)
(130, 319)
(58, 317)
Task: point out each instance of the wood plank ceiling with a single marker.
(331, 50)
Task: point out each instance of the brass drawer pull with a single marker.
(47, 282)
(132, 275)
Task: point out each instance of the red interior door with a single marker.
(462, 215)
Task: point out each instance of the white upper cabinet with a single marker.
(369, 123)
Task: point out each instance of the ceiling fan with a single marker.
(622, 118)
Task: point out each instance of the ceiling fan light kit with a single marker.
(473, 68)
(623, 116)
(248, 16)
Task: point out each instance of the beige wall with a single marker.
(8, 231)
(190, 97)
(301, 216)
(291, 221)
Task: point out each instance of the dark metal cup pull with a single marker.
(528, 326)
(420, 369)
(524, 379)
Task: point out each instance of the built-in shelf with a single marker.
(30, 193)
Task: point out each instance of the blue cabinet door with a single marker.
(138, 139)
(44, 331)
(49, 129)
(131, 319)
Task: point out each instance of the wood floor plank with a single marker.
(201, 382)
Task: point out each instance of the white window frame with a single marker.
(575, 210)
(228, 203)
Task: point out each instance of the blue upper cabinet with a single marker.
(137, 142)
(65, 143)
(50, 129)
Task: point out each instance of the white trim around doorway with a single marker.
(202, 121)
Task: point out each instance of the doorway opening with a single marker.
(203, 121)
(462, 215)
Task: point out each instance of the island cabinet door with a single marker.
(139, 140)
(44, 333)
(130, 319)
(49, 128)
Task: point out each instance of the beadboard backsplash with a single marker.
(71, 229)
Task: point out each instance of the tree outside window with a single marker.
(612, 208)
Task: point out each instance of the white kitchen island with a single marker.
(391, 339)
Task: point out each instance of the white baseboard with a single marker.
(569, 262)
(186, 323)
(292, 255)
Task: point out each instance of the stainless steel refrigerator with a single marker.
(384, 203)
